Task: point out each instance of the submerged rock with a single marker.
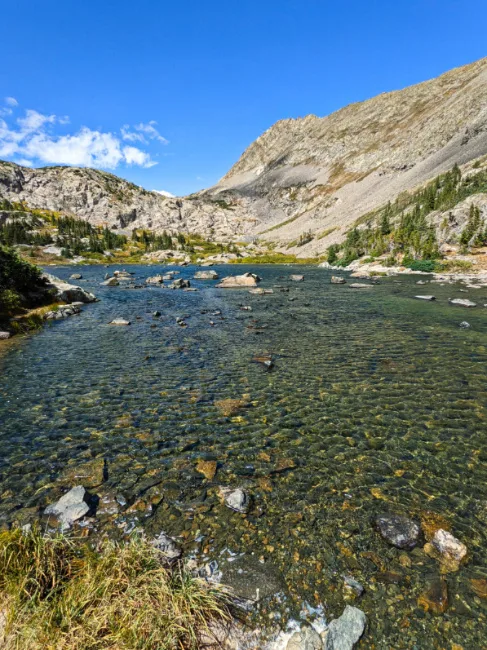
(336, 279)
(237, 500)
(237, 281)
(119, 321)
(399, 531)
(207, 468)
(462, 302)
(425, 297)
(464, 325)
(70, 507)
(111, 282)
(448, 550)
(76, 276)
(167, 546)
(305, 639)
(352, 587)
(344, 632)
(434, 598)
(297, 278)
(359, 285)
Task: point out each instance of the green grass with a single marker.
(58, 594)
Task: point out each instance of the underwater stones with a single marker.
(4, 336)
(76, 276)
(167, 546)
(421, 282)
(359, 285)
(344, 632)
(305, 639)
(156, 313)
(155, 279)
(434, 598)
(90, 474)
(336, 279)
(462, 302)
(70, 507)
(238, 281)
(207, 468)
(119, 321)
(111, 282)
(464, 325)
(431, 522)
(265, 359)
(352, 588)
(297, 278)
(206, 275)
(180, 283)
(479, 587)
(448, 550)
(425, 298)
(397, 530)
(235, 499)
(230, 407)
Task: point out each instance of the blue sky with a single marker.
(169, 94)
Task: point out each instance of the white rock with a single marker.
(344, 632)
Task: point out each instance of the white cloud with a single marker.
(11, 101)
(164, 193)
(32, 139)
(130, 135)
(150, 130)
(24, 162)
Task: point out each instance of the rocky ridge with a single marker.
(304, 181)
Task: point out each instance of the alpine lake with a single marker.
(375, 403)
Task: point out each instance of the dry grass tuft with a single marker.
(59, 594)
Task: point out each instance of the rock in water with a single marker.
(344, 632)
(206, 275)
(398, 530)
(464, 325)
(425, 297)
(76, 276)
(434, 598)
(359, 285)
(4, 336)
(66, 292)
(237, 500)
(336, 279)
(167, 546)
(462, 302)
(70, 507)
(305, 639)
(237, 281)
(119, 321)
(297, 278)
(448, 550)
(155, 279)
(181, 284)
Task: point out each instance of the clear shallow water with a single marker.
(377, 402)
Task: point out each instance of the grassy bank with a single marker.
(57, 593)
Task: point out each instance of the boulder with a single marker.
(237, 281)
(155, 279)
(425, 297)
(111, 282)
(76, 276)
(237, 500)
(63, 311)
(305, 639)
(119, 321)
(399, 531)
(206, 275)
(4, 336)
(448, 550)
(345, 631)
(461, 302)
(70, 507)
(167, 546)
(181, 284)
(66, 292)
(336, 279)
(297, 278)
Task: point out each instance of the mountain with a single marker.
(308, 178)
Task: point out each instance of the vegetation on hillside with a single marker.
(21, 284)
(58, 593)
(403, 228)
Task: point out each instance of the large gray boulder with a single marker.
(345, 631)
(238, 281)
(66, 292)
(70, 507)
(206, 275)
